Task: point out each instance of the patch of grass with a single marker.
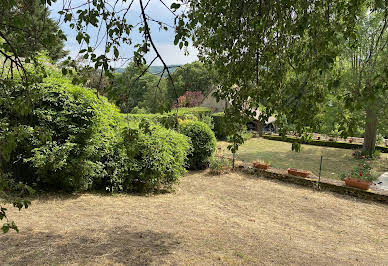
(279, 154)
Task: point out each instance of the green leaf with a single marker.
(175, 6)
(116, 51)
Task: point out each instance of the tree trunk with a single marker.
(370, 132)
(259, 128)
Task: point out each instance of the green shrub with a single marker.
(362, 171)
(217, 164)
(220, 126)
(203, 142)
(208, 120)
(57, 135)
(156, 157)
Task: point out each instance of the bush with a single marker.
(217, 164)
(220, 126)
(203, 142)
(362, 171)
(156, 157)
(57, 135)
(208, 120)
(62, 137)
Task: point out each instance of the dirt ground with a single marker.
(209, 220)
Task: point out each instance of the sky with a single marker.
(164, 40)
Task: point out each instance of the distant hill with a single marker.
(157, 70)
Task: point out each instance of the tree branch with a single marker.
(148, 35)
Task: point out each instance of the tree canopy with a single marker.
(191, 77)
(26, 29)
(281, 56)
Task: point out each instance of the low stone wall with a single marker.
(325, 184)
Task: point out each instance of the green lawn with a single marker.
(279, 154)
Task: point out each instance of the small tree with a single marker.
(189, 99)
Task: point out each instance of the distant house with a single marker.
(211, 102)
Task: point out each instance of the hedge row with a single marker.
(343, 145)
(169, 120)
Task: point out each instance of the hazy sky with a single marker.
(164, 40)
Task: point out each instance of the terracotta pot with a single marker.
(357, 183)
(260, 165)
(297, 172)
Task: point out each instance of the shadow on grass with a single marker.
(118, 246)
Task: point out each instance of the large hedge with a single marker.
(58, 136)
(156, 157)
(203, 143)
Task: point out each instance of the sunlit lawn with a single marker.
(279, 154)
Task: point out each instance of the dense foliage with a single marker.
(220, 126)
(26, 29)
(191, 77)
(156, 157)
(203, 142)
(136, 87)
(56, 135)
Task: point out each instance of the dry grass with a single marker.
(279, 154)
(227, 219)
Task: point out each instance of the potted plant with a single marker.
(360, 176)
(298, 172)
(261, 165)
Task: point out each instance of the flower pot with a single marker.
(297, 172)
(357, 183)
(261, 165)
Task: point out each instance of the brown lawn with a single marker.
(229, 219)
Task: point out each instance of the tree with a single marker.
(155, 98)
(189, 99)
(191, 77)
(272, 53)
(27, 29)
(136, 87)
(363, 69)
